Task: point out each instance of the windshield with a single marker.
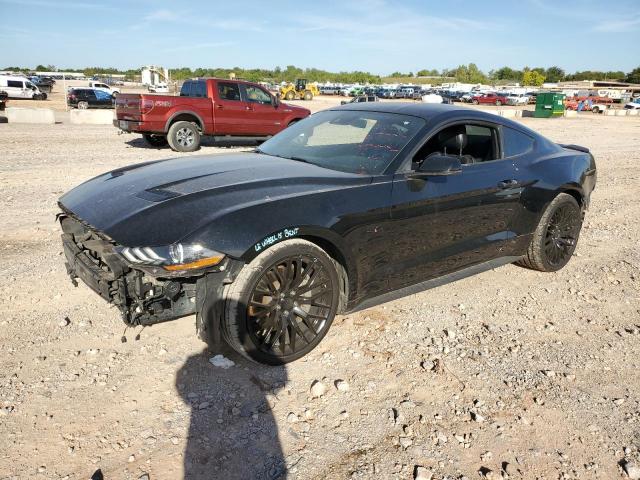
(349, 141)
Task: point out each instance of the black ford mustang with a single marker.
(348, 208)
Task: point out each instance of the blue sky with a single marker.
(372, 35)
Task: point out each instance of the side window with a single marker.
(472, 143)
(255, 94)
(91, 95)
(185, 91)
(199, 89)
(14, 84)
(481, 143)
(102, 95)
(229, 91)
(515, 142)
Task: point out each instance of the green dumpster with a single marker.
(549, 105)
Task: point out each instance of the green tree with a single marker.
(633, 76)
(554, 74)
(533, 78)
(506, 73)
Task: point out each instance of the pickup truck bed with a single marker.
(216, 107)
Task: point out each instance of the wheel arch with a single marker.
(345, 272)
(186, 116)
(575, 192)
(331, 243)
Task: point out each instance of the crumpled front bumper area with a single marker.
(141, 298)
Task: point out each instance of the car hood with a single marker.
(162, 202)
(287, 107)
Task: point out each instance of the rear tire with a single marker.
(184, 137)
(498, 103)
(475, 102)
(156, 141)
(281, 305)
(83, 105)
(556, 236)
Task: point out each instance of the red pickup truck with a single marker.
(490, 99)
(206, 106)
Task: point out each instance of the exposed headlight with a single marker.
(173, 258)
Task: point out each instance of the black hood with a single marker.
(162, 202)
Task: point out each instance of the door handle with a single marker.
(248, 108)
(220, 106)
(508, 183)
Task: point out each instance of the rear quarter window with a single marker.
(185, 91)
(515, 143)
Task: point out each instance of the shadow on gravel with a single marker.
(232, 433)
(139, 142)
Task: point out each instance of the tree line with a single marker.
(463, 73)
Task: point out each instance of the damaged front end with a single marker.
(144, 294)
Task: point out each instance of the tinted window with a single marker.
(185, 91)
(14, 83)
(199, 89)
(229, 91)
(101, 95)
(255, 94)
(91, 95)
(478, 144)
(515, 142)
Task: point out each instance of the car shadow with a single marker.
(139, 142)
(232, 431)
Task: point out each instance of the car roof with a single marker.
(423, 110)
(436, 112)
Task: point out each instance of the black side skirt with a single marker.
(434, 282)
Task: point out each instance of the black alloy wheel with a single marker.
(562, 235)
(556, 236)
(291, 306)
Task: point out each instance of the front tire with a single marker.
(556, 236)
(475, 102)
(289, 95)
(156, 141)
(282, 304)
(184, 137)
(498, 103)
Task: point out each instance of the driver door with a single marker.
(440, 224)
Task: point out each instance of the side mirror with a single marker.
(440, 165)
(276, 100)
(343, 102)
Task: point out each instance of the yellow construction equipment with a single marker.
(301, 90)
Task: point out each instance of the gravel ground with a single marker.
(511, 373)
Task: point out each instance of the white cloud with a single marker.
(162, 15)
(618, 26)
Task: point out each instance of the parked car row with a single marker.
(20, 87)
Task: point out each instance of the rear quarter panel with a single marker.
(545, 175)
(160, 110)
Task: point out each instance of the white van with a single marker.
(20, 87)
